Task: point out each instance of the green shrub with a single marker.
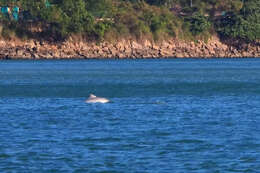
(198, 24)
(122, 29)
(100, 28)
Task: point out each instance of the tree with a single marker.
(198, 23)
(245, 25)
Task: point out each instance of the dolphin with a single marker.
(94, 99)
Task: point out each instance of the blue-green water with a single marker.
(166, 116)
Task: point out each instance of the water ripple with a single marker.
(165, 116)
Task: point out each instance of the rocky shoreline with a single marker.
(214, 48)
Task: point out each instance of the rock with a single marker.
(136, 45)
(164, 45)
(128, 50)
(113, 51)
(124, 49)
(100, 51)
(105, 49)
(120, 55)
(34, 49)
(147, 44)
(155, 47)
(2, 43)
(165, 52)
(35, 55)
(119, 46)
(179, 55)
(19, 53)
(258, 49)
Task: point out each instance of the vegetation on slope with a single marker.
(99, 20)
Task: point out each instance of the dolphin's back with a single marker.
(92, 96)
(94, 99)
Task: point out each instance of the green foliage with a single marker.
(75, 12)
(198, 24)
(129, 21)
(100, 8)
(7, 33)
(34, 7)
(238, 27)
(245, 25)
(68, 17)
(135, 18)
(100, 28)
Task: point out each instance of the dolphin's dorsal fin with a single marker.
(92, 96)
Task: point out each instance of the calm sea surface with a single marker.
(183, 116)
